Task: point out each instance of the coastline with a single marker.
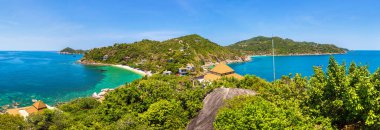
(131, 69)
(140, 72)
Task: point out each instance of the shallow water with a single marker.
(53, 78)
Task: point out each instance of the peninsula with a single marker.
(263, 46)
(171, 56)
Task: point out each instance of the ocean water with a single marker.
(53, 78)
(262, 65)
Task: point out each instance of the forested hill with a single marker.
(166, 55)
(69, 50)
(263, 46)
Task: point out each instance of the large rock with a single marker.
(211, 105)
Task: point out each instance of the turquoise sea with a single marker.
(285, 65)
(53, 77)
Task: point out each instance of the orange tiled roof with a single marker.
(222, 68)
(235, 75)
(13, 111)
(212, 77)
(31, 109)
(36, 107)
(39, 105)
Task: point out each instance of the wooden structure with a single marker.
(221, 70)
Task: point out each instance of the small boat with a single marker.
(34, 100)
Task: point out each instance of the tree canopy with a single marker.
(166, 55)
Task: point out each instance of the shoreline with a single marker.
(125, 67)
(131, 69)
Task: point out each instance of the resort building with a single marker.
(221, 70)
(167, 73)
(127, 58)
(190, 67)
(182, 71)
(105, 57)
(26, 111)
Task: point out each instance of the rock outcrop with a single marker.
(211, 105)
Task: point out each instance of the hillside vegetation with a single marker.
(166, 55)
(263, 46)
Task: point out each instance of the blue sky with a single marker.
(85, 24)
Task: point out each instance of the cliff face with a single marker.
(211, 105)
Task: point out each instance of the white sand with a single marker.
(131, 69)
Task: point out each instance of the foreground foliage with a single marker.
(255, 112)
(12, 122)
(337, 97)
(348, 99)
(158, 102)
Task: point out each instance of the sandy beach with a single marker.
(131, 69)
(140, 72)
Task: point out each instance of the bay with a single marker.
(261, 66)
(53, 78)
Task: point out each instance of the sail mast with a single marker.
(274, 63)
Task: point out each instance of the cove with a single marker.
(53, 77)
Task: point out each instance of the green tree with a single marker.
(48, 119)
(348, 99)
(11, 122)
(165, 115)
(254, 112)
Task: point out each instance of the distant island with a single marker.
(263, 46)
(191, 51)
(69, 50)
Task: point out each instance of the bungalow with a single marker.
(221, 70)
(190, 67)
(127, 58)
(105, 57)
(37, 107)
(167, 72)
(182, 71)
